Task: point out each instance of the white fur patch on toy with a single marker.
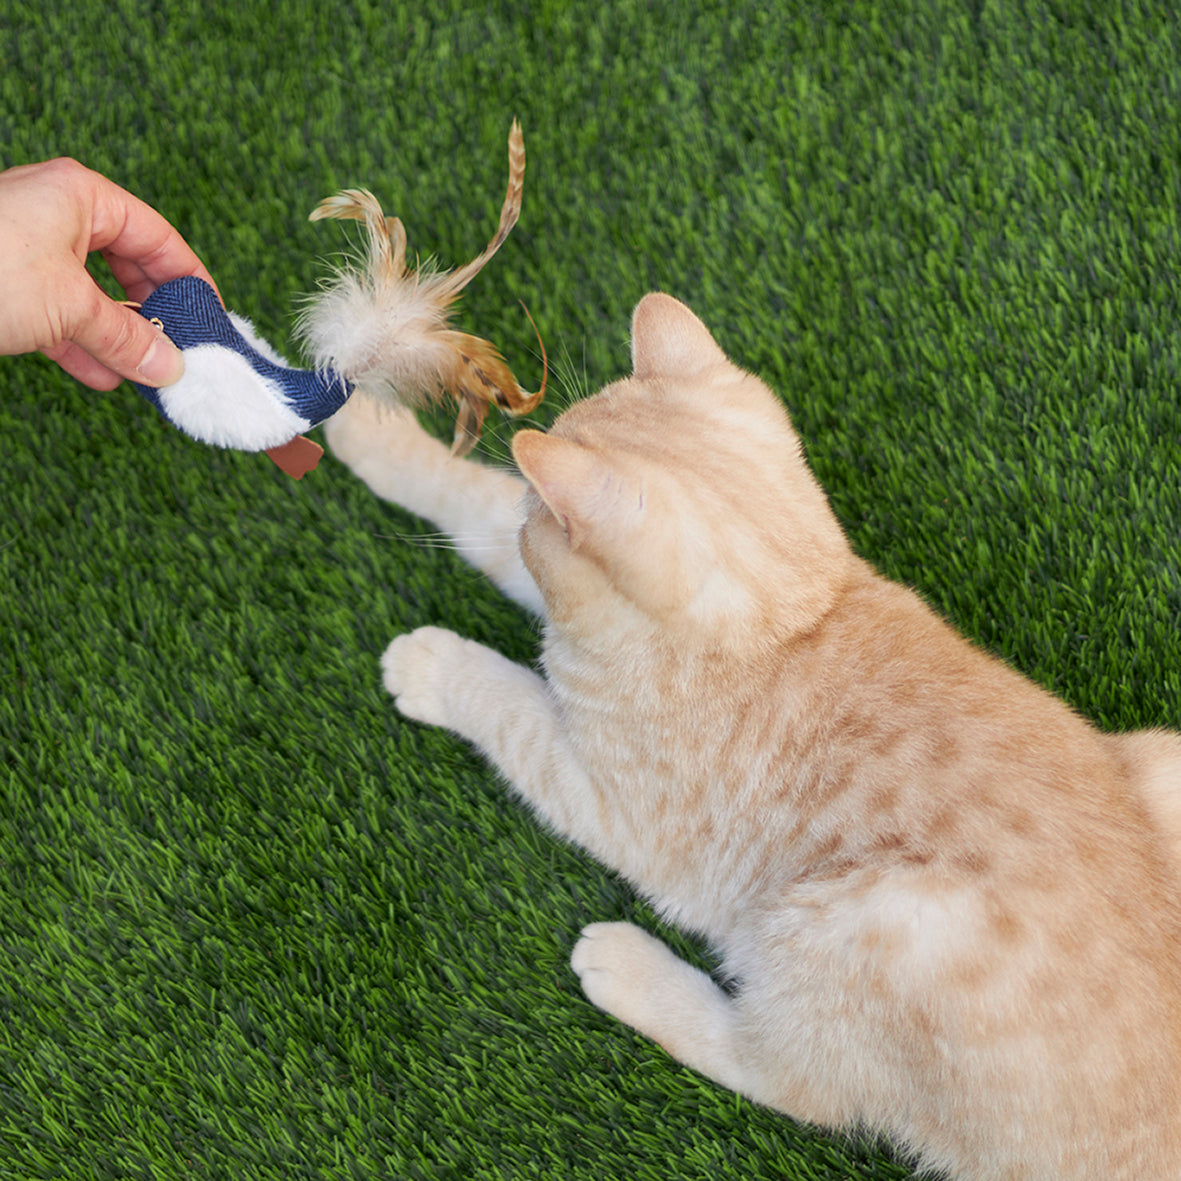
(255, 418)
(236, 391)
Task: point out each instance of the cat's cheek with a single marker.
(541, 536)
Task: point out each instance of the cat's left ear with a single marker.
(573, 481)
(668, 340)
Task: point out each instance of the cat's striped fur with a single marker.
(952, 905)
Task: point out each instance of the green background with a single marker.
(253, 924)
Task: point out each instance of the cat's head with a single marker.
(679, 498)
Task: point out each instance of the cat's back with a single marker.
(979, 859)
(909, 747)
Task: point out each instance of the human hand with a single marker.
(52, 215)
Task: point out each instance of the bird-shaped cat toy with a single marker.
(378, 327)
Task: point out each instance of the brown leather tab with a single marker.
(298, 457)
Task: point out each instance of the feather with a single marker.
(386, 328)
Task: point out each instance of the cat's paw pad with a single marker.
(622, 970)
(419, 669)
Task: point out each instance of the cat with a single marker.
(951, 907)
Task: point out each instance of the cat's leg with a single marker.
(478, 506)
(636, 978)
(503, 708)
(1153, 761)
(739, 1041)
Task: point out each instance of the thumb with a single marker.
(122, 341)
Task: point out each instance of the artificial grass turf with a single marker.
(253, 924)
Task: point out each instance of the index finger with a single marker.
(140, 246)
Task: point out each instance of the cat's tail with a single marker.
(1153, 760)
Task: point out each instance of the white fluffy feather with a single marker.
(382, 335)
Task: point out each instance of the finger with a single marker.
(139, 277)
(140, 246)
(146, 251)
(81, 366)
(124, 342)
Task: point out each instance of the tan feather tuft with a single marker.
(385, 327)
(362, 205)
(510, 210)
(480, 376)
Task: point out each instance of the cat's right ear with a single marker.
(572, 480)
(668, 340)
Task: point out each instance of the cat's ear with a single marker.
(668, 340)
(571, 479)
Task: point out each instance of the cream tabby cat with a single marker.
(952, 906)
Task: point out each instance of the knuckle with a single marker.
(64, 171)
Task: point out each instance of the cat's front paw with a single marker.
(422, 670)
(366, 433)
(623, 970)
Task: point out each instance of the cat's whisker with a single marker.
(495, 450)
(571, 383)
(445, 541)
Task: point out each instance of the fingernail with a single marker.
(162, 364)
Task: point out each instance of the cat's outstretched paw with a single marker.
(420, 669)
(624, 971)
(379, 442)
